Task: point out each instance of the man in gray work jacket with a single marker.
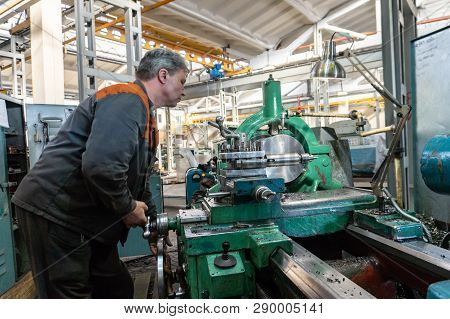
(87, 188)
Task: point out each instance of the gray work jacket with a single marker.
(89, 176)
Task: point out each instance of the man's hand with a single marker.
(137, 216)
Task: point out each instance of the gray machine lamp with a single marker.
(327, 67)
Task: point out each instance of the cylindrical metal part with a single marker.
(283, 159)
(272, 98)
(264, 194)
(435, 164)
(219, 194)
(378, 131)
(162, 225)
(324, 114)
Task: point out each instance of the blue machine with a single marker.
(435, 164)
(194, 177)
(216, 72)
(439, 290)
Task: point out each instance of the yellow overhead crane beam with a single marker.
(194, 51)
(156, 37)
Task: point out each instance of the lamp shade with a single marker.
(328, 67)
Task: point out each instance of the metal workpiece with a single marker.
(275, 148)
(312, 277)
(431, 259)
(345, 199)
(281, 159)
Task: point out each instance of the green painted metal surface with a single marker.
(313, 225)
(246, 186)
(200, 244)
(208, 239)
(214, 282)
(263, 244)
(272, 98)
(245, 212)
(318, 218)
(318, 172)
(391, 226)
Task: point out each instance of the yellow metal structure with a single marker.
(193, 51)
(154, 37)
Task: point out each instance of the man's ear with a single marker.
(162, 76)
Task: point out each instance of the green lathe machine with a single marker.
(279, 222)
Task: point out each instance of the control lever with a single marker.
(226, 260)
(264, 194)
(159, 224)
(226, 133)
(147, 229)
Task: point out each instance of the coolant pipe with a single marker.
(407, 216)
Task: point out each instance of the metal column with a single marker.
(229, 100)
(18, 70)
(86, 49)
(169, 141)
(398, 29)
(316, 82)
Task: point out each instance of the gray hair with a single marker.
(157, 59)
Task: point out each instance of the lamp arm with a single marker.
(380, 175)
(376, 84)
